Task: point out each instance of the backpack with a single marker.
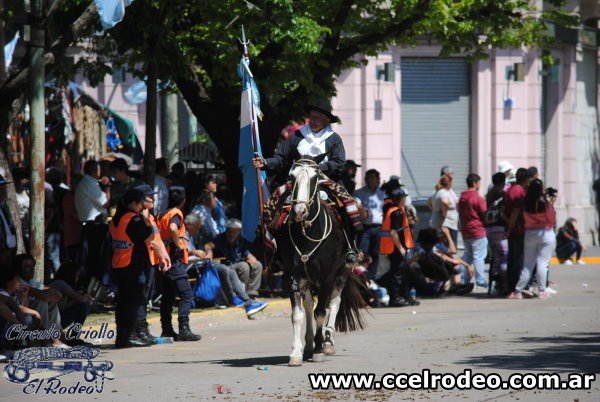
(208, 285)
(492, 215)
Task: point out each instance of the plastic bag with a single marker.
(208, 286)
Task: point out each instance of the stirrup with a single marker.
(351, 257)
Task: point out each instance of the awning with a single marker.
(200, 152)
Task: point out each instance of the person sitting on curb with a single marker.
(12, 312)
(438, 266)
(74, 307)
(41, 298)
(231, 247)
(568, 243)
(230, 282)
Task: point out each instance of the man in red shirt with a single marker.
(471, 210)
(515, 226)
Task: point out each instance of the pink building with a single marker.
(430, 112)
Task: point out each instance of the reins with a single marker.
(304, 165)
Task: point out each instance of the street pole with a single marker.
(150, 148)
(38, 142)
(2, 44)
(170, 123)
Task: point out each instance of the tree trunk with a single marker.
(220, 117)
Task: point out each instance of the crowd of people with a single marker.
(512, 228)
(107, 230)
(108, 234)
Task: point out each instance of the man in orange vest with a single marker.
(159, 259)
(175, 281)
(396, 240)
(130, 229)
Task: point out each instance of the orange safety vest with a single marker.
(121, 243)
(386, 244)
(156, 238)
(165, 231)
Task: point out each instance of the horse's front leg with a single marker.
(329, 327)
(332, 312)
(309, 336)
(320, 317)
(297, 321)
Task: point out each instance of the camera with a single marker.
(551, 192)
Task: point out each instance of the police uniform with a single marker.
(130, 263)
(175, 281)
(142, 325)
(396, 218)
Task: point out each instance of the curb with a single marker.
(276, 306)
(587, 260)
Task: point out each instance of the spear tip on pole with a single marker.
(244, 42)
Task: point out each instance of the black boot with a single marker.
(185, 334)
(130, 341)
(399, 302)
(143, 332)
(167, 330)
(412, 301)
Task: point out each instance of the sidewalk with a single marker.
(199, 319)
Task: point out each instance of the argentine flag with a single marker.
(250, 143)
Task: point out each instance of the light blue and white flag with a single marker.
(111, 11)
(9, 49)
(249, 144)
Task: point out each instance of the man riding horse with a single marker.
(314, 139)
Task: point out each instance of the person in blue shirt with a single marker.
(218, 213)
(204, 208)
(231, 247)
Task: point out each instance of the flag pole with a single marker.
(253, 116)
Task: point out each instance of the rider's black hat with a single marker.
(323, 107)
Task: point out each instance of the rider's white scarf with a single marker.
(313, 144)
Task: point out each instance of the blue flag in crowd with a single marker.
(250, 109)
(9, 49)
(111, 11)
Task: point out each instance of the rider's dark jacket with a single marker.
(287, 153)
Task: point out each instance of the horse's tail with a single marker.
(350, 315)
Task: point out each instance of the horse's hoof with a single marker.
(307, 355)
(328, 349)
(318, 357)
(295, 362)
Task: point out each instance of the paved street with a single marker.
(452, 334)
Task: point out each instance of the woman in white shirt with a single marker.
(445, 214)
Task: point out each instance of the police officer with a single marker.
(159, 259)
(130, 229)
(396, 239)
(175, 281)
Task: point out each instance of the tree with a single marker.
(298, 48)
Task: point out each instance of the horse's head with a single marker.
(305, 173)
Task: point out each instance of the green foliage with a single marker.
(299, 47)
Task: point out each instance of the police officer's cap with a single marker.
(146, 189)
(133, 195)
(177, 189)
(397, 194)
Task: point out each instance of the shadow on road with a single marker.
(248, 362)
(579, 352)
